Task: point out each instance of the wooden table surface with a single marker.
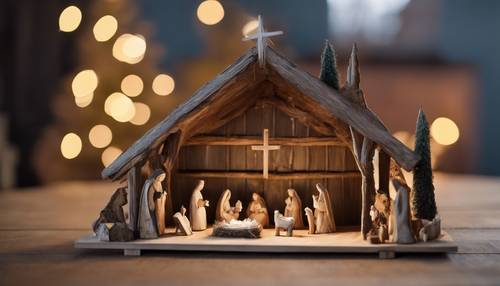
(38, 227)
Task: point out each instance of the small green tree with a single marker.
(328, 73)
(423, 202)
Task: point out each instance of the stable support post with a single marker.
(132, 252)
(387, 254)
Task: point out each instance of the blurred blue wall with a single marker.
(470, 32)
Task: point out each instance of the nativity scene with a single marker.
(265, 137)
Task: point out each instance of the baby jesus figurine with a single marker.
(224, 210)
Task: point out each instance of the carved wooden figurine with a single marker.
(310, 220)
(151, 199)
(380, 217)
(225, 212)
(323, 213)
(113, 212)
(431, 229)
(182, 225)
(402, 229)
(197, 211)
(283, 223)
(257, 210)
(293, 208)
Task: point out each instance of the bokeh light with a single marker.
(71, 146)
(84, 83)
(110, 154)
(444, 131)
(84, 101)
(129, 48)
(142, 114)
(163, 84)
(120, 107)
(105, 28)
(132, 85)
(210, 12)
(250, 27)
(100, 136)
(70, 19)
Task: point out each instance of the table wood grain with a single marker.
(38, 227)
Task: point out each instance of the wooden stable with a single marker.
(264, 126)
(318, 130)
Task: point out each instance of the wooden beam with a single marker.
(316, 97)
(134, 193)
(254, 140)
(272, 175)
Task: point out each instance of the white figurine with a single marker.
(197, 212)
(283, 222)
(323, 213)
(225, 212)
(151, 200)
(293, 208)
(401, 230)
(430, 230)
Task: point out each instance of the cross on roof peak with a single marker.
(261, 36)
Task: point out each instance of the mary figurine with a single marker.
(151, 222)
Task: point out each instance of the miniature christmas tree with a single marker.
(328, 73)
(423, 202)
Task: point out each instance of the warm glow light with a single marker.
(444, 131)
(210, 12)
(129, 48)
(132, 85)
(163, 84)
(84, 83)
(142, 114)
(105, 28)
(71, 146)
(70, 19)
(120, 107)
(84, 101)
(100, 136)
(249, 27)
(109, 155)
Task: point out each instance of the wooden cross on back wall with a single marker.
(265, 148)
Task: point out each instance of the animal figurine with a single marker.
(282, 222)
(430, 230)
(182, 225)
(310, 220)
(113, 212)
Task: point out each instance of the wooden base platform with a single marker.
(301, 242)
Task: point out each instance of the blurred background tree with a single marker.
(114, 96)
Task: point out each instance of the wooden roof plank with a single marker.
(360, 118)
(160, 130)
